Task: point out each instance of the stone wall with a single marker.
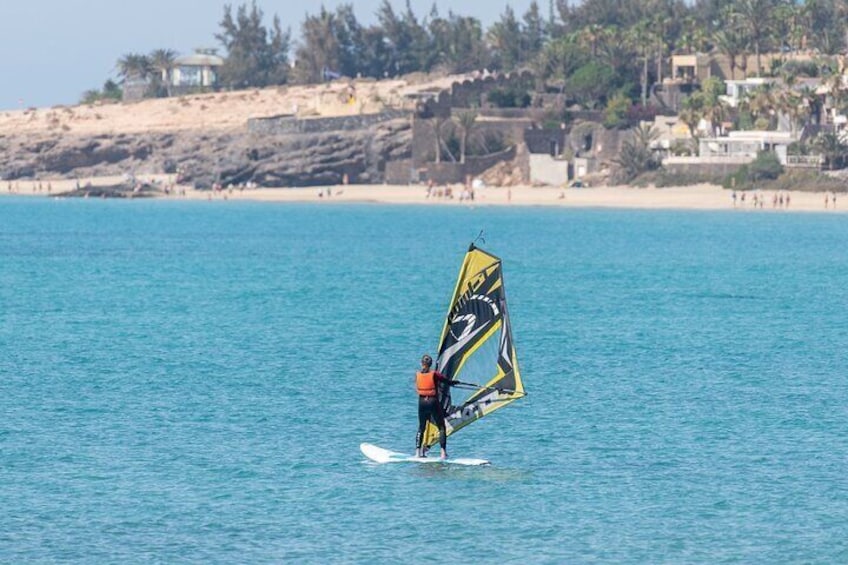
(544, 169)
(606, 143)
(424, 137)
(545, 141)
(289, 125)
(472, 93)
(401, 172)
(443, 173)
(586, 115)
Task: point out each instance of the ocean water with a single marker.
(190, 382)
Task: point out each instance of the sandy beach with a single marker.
(697, 197)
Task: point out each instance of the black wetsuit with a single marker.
(430, 409)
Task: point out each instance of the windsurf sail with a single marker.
(476, 346)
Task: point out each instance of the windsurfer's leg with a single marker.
(423, 416)
(443, 436)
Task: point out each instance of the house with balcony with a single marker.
(690, 69)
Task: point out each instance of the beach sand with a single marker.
(697, 197)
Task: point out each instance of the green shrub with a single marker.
(800, 68)
(509, 97)
(681, 148)
(765, 167)
(809, 180)
(739, 180)
(745, 121)
(615, 114)
(591, 83)
(663, 178)
(111, 92)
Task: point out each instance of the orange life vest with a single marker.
(426, 383)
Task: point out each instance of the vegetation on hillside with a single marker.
(594, 51)
(596, 55)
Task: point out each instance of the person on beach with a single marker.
(427, 383)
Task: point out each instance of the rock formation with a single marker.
(221, 156)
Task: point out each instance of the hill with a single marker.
(204, 138)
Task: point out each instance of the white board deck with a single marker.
(381, 455)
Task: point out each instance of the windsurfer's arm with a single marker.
(444, 379)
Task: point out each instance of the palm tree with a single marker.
(134, 66)
(637, 156)
(640, 38)
(466, 122)
(728, 42)
(833, 148)
(800, 26)
(590, 36)
(783, 21)
(811, 100)
(795, 107)
(744, 53)
(162, 61)
(692, 37)
(762, 101)
(755, 16)
(713, 107)
(691, 113)
(837, 90)
(438, 123)
(659, 27)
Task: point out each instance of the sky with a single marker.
(51, 51)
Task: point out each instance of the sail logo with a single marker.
(469, 320)
(478, 313)
(486, 278)
(471, 411)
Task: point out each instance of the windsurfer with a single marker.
(427, 382)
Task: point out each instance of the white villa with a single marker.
(195, 71)
(747, 144)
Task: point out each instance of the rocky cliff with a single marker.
(201, 158)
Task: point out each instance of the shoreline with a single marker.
(695, 197)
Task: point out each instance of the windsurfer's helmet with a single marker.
(427, 360)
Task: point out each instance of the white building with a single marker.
(737, 90)
(196, 71)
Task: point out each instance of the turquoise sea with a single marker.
(190, 382)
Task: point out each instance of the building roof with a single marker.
(199, 60)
